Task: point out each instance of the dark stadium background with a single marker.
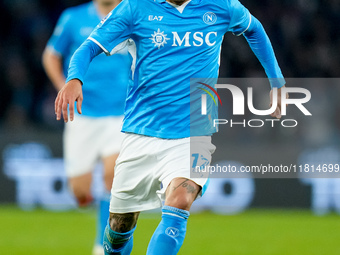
(306, 39)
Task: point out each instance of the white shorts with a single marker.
(88, 139)
(146, 166)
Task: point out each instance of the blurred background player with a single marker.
(86, 140)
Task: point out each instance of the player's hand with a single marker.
(67, 96)
(277, 112)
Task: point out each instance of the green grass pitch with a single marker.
(273, 232)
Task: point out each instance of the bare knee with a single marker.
(109, 165)
(183, 203)
(181, 193)
(123, 222)
(81, 188)
(108, 180)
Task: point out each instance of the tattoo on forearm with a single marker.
(185, 184)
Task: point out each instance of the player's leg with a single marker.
(133, 190)
(118, 237)
(180, 189)
(84, 141)
(169, 235)
(81, 188)
(109, 163)
(80, 154)
(104, 203)
(110, 142)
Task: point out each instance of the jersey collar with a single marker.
(194, 2)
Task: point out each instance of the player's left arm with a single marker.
(260, 44)
(243, 23)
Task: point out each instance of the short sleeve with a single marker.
(115, 28)
(62, 35)
(240, 18)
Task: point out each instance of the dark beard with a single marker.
(178, 2)
(108, 3)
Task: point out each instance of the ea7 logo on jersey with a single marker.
(158, 18)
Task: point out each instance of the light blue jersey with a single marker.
(106, 80)
(173, 45)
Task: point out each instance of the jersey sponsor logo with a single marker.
(173, 232)
(194, 39)
(189, 39)
(152, 18)
(209, 18)
(159, 38)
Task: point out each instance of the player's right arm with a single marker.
(72, 92)
(113, 30)
(57, 48)
(53, 65)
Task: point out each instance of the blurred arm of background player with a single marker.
(53, 65)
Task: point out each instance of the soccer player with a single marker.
(96, 134)
(174, 42)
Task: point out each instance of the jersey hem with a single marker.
(152, 133)
(162, 135)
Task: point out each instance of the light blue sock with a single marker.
(169, 235)
(103, 216)
(118, 243)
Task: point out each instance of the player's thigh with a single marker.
(81, 146)
(110, 137)
(111, 141)
(81, 185)
(135, 182)
(178, 169)
(87, 139)
(109, 163)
